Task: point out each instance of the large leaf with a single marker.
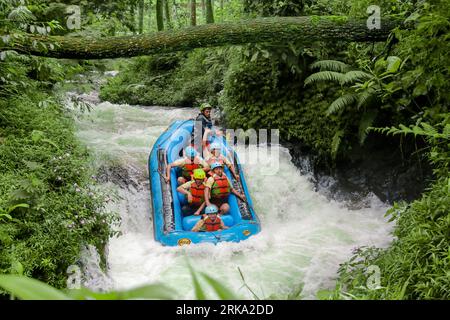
(324, 76)
(330, 65)
(222, 292)
(30, 289)
(393, 64)
(353, 76)
(365, 123)
(199, 293)
(336, 142)
(153, 291)
(342, 102)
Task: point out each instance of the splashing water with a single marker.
(304, 237)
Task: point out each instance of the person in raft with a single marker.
(218, 188)
(215, 155)
(205, 122)
(195, 193)
(188, 164)
(211, 222)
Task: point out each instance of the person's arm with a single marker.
(208, 186)
(198, 225)
(167, 177)
(222, 225)
(231, 168)
(185, 189)
(205, 135)
(177, 163)
(199, 210)
(237, 194)
(205, 165)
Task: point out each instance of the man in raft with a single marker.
(205, 123)
(218, 188)
(211, 223)
(195, 193)
(188, 164)
(215, 155)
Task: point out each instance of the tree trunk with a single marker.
(193, 13)
(150, 7)
(133, 19)
(209, 12)
(175, 11)
(167, 12)
(268, 30)
(160, 14)
(141, 16)
(203, 9)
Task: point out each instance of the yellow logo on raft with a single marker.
(184, 242)
(246, 233)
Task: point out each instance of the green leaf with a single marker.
(330, 65)
(341, 102)
(21, 205)
(149, 292)
(324, 294)
(336, 142)
(199, 293)
(393, 64)
(324, 76)
(355, 75)
(30, 289)
(222, 292)
(365, 123)
(420, 90)
(153, 291)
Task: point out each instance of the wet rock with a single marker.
(126, 177)
(391, 171)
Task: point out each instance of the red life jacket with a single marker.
(210, 225)
(188, 169)
(221, 188)
(198, 193)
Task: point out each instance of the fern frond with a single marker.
(336, 142)
(325, 76)
(355, 75)
(365, 123)
(342, 102)
(330, 65)
(424, 129)
(364, 97)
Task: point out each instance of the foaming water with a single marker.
(304, 237)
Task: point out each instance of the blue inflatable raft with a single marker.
(169, 225)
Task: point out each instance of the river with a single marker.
(305, 233)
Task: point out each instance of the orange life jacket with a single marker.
(188, 169)
(221, 188)
(210, 225)
(198, 193)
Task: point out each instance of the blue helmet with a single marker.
(216, 165)
(215, 145)
(190, 152)
(211, 209)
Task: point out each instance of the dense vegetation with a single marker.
(328, 96)
(49, 205)
(331, 97)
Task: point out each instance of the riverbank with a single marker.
(50, 207)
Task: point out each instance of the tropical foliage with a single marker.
(332, 98)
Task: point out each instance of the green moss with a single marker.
(339, 20)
